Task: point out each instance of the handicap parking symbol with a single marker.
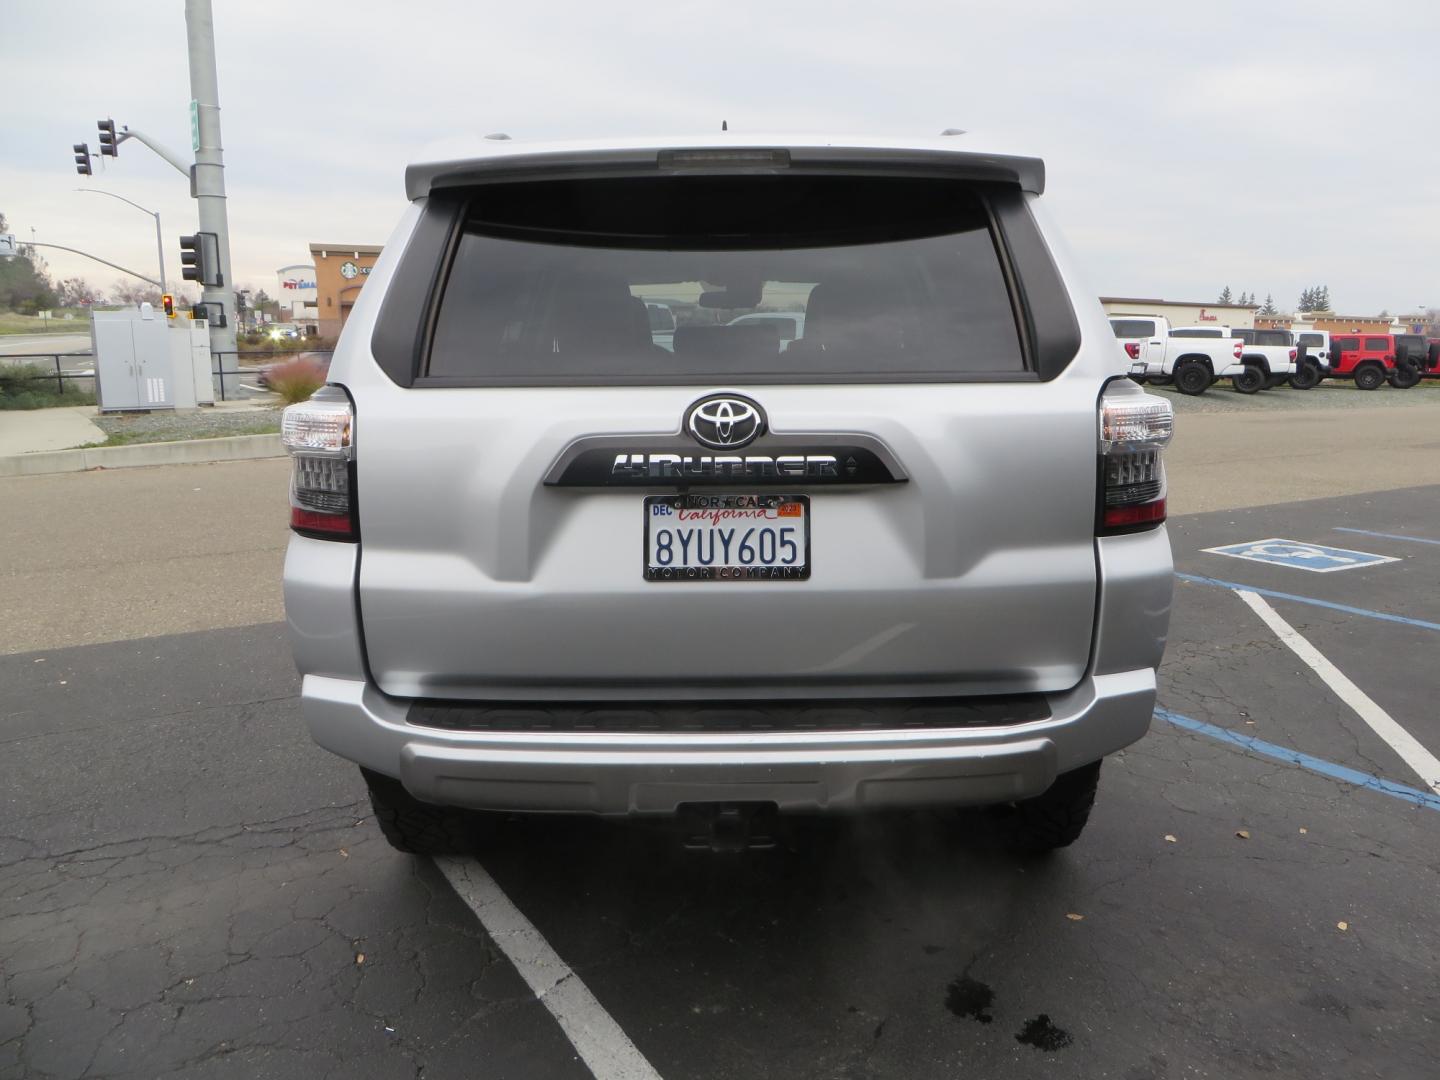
(1317, 558)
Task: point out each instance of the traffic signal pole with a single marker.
(209, 177)
(160, 151)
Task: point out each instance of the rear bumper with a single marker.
(653, 772)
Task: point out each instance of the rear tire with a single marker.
(1054, 819)
(1161, 380)
(1404, 376)
(1369, 377)
(415, 827)
(1192, 377)
(1272, 381)
(1251, 381)
(1306, 378)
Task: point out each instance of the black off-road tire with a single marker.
(1404, 376)
(1252, 381)
(1052, 820)
(1192, 378)
(1161, 380)
(1369, 377)
(1272, 381)
(1306, 378)
(415, 827)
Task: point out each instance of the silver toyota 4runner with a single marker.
(901, 545)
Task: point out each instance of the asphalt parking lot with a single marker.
(190, 888)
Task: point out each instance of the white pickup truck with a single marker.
(1269, 359)
(1192, 357)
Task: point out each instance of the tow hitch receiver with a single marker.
(729, 827)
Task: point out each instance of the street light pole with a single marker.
(159, 240)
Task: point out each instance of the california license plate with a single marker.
(727, 537)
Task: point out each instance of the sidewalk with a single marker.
(66, 439)
(36, 431)
(29, 431)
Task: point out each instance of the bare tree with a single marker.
(77, 292)
(134, 292)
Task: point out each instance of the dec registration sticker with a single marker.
(727, 537)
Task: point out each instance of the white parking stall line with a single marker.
(1401, 741)
(606, 1050)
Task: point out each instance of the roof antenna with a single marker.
(724, 125)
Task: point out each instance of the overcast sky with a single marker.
(1267, 146)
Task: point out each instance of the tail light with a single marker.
(320, 437)
(1132, 350)
(1294, 353)
(1239, 349)
(1134, 431)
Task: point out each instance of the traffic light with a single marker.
(109, 145)
(200, 258)
(168, 303)
(210, 311)
(82, 159)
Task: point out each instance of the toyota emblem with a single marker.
(725, 422)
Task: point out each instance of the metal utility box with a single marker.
(133, 367)
(190, 363)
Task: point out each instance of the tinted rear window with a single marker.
(1315, 341)
(1345, 343)
(1377, 344)
(550, 281)
(1195, 331)
(1132, 328)
(1271, 337)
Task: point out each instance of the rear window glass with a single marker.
(1345, 343)
(1315, 341)
(1132, 328)
(1376, 344)
(1271, 337)
(1247, 336)
(1195, 331)
(773, 276)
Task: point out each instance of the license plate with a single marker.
(727, 537)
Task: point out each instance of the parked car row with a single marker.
(1194, 358)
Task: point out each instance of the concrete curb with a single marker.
(185, 452)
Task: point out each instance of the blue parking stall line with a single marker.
(1305, 761)
(1346, 608)
(1388, 536)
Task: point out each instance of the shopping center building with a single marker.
(1183, 312)
(341, 271)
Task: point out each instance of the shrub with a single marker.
(32, 386)
(296, 380)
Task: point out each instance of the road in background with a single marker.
(115, 554)
(82, 559)
(1225, 460)
(44, 344)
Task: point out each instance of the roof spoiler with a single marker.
(424, 178)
